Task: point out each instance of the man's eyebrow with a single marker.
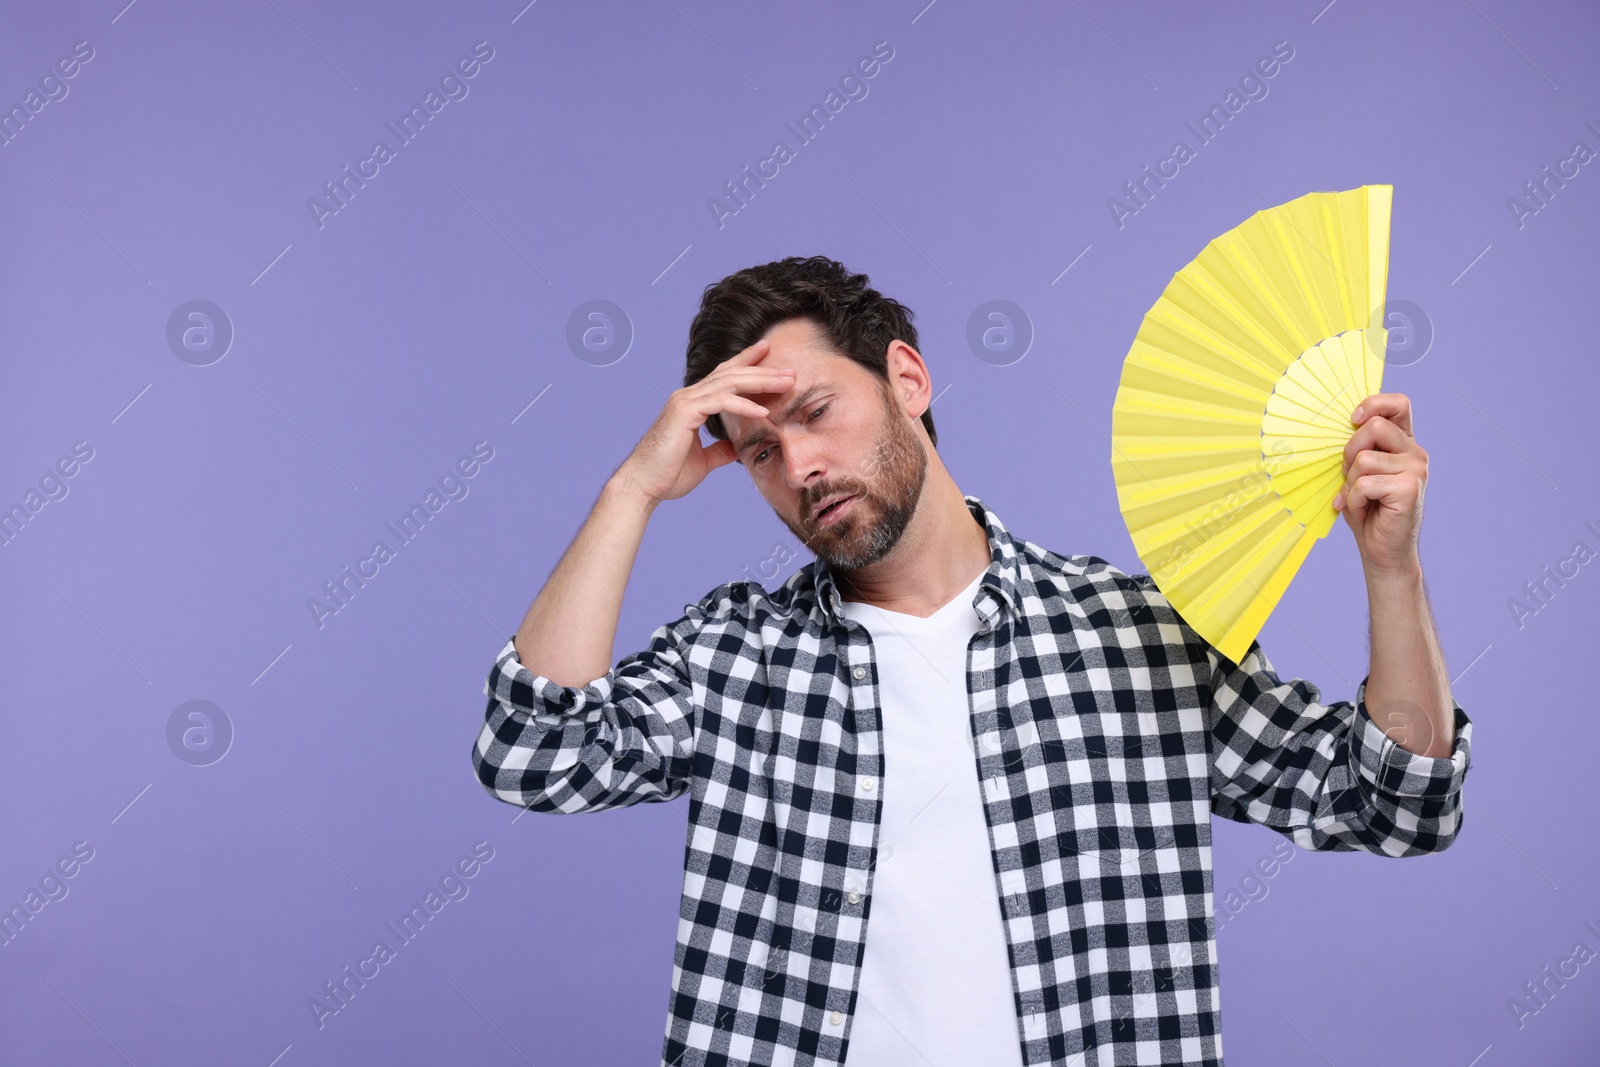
(760, 434)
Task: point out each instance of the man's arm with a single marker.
(1386, 474)
(1384, 774)
(625, 738)
(569, 630)
(1323, 774)
(1408, 688)
(562, 733)
(572, 623)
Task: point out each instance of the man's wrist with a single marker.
(1398, 576)
(622, 488)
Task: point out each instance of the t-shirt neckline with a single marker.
(963, 597)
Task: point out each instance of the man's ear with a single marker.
(908, 375)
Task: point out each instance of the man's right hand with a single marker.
(570, 628)
(669, 460)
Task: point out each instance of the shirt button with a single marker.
(860, 673)
(854, 898)
(835, 1017)
(868, 784)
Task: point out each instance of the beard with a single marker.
(879, 515)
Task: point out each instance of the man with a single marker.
(992, 764)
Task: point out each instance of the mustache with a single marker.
(808, 510)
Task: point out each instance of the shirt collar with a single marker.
(1004, 576)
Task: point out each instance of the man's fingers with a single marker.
(753, 353)
(739, 380)
(711, 403)
(1401, 491)
(746, 382)
(1380, 434)
(758, 375)
(1396, 407)
(1376, 461)
(1366, 489)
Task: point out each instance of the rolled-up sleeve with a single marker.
(1326, 775)
(625, 738)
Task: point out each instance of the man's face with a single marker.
(848, 438)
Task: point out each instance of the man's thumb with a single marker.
(718, 454)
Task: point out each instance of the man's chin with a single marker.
(848, 549)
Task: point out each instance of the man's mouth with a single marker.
(828, 514)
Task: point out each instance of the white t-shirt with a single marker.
(935, 979)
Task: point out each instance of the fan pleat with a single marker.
(1233, 412)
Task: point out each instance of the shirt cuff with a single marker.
(522, 689)
(1392, 769)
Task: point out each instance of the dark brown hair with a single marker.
(736, 311)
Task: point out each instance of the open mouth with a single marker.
(828, 514)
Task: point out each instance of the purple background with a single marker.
(372, 352)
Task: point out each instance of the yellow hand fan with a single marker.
(1229, 427)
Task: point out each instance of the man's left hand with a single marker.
(1386, 472)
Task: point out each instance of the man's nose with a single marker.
(802, 460)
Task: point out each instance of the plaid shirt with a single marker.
(1107, 732)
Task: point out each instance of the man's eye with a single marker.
(756, 459)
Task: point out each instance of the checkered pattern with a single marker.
(1107, 732)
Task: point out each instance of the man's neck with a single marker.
(942, 550)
